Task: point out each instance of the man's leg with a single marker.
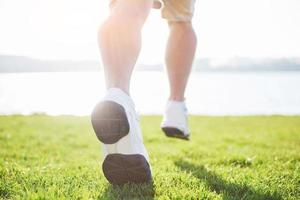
(114, 119)
(120, 40)
(179, 57)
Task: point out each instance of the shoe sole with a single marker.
(175, 133)
(110, 124)
(120, 169)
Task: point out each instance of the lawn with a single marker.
(43, 157)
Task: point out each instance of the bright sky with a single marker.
(66, 29)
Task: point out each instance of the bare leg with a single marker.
(179, 57)
(120, 41)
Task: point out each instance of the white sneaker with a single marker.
(116, 125)
(175, 120)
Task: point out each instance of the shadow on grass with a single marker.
(217, 184)
(129, 191)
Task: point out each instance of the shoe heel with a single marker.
(120, 169)
(174, 133)
(109, 122)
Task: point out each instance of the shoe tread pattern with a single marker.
(120, 169)
(109, 122)
(175, 133)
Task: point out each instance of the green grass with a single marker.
(44, 157)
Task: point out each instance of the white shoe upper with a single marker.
(132, 143)
(176, 116)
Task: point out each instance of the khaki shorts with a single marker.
(174, 10)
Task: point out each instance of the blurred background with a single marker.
(247, 60)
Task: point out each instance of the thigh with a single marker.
(178, 10)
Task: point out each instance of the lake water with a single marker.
(208, 93)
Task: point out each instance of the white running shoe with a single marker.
(175, 120)
(116, 125)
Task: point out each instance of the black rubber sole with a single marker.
(175, 133)
(109, 122)
(120, 169)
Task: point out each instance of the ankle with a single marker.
(124, 89)
(176, 98)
